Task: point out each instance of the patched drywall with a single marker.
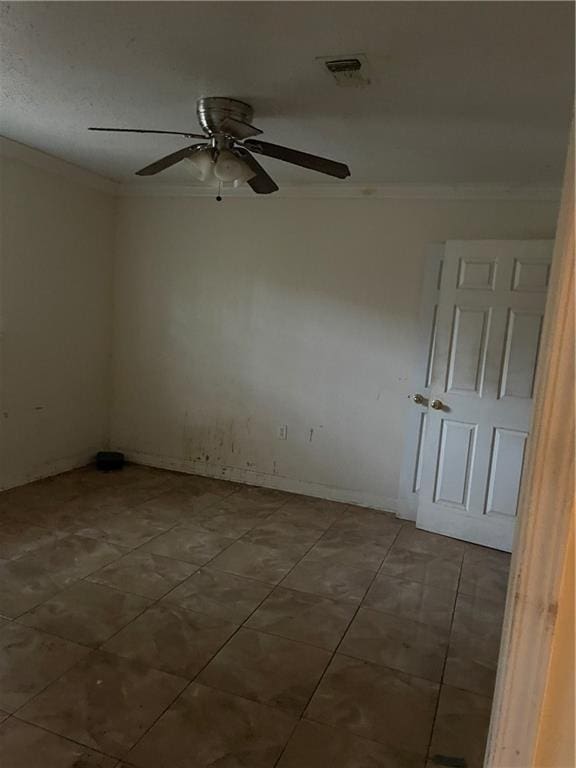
(235, 320)
(56, 230)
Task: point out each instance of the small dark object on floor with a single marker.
(450, 762)
(107, 461)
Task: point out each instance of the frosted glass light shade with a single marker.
(229, 168)
(201, 166)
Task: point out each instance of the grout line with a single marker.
(337, 648)
(441, 681)
(91, 650)
(242, 625)
(229, 639)
(66, 738)
(213, 656)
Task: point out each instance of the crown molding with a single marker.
(338, 189)
(345, 190)
(13, 150)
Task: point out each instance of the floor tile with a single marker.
(199, 485)
(336, 509)
(117, 501)
(177, 506)
(29, 661)
(207, 728)
(283, 534)
(411, 600)
(23, 585)
(477, 618)
(127, 528)
(144, 573)
(104, 702)
(329, 579)
(461, 726)
(409, 646)
(256, 561)
(305, 617)
(474, 645)
(482, 580)
(369, 522)
(230, 519)
(263, 497)
(220, 594)
(268, 669)
(249, 504)
(172, 639)
(492, 559)
(74, 557)
(215, 554)
(17, 539)
(422, 567)
(311, 515)
(377, 703)
(21, 744)
(68, 517)
(192, 544)
(430, 543)
(318, 746)
(351, 548)
(86, 613)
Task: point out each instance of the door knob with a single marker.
(418, 398)
(438, 405)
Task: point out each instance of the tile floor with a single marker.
(156, 620)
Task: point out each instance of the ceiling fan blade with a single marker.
(139, 130)
(166, 162)
(315, 163)
(261, 183)
(239, 129)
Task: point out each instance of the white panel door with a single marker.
(489, 322)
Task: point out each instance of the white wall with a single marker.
(234, 318)
(56, 232)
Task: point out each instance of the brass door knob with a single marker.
(418, 398)
(438, 405)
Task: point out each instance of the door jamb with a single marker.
(545, 513)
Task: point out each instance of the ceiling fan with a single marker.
(225, 155)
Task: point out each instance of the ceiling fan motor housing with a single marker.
(214, 110)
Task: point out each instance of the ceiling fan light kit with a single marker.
(225, 156)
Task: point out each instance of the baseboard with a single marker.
(405, 510)
(49, 469)
(266, 480)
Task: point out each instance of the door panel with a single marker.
(431, 346)
(488, 325)
(523, 331)
(506, 461)
(474, 273)
(454, 463)
(467, 357)
(530, 275)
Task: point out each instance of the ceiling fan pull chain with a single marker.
(219, 195)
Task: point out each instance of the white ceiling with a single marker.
(461, 92)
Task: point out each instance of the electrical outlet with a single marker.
(283, 432)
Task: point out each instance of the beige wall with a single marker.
(55, 300)
(235, 318)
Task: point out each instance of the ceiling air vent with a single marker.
(348, 71)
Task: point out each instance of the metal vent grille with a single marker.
(347, 71)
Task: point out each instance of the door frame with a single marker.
(546, 512)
